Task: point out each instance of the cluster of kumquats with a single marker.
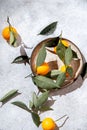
(10, 33)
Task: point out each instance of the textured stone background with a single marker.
(29, 17)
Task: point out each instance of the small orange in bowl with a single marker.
(43, 69)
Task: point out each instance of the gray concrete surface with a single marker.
(29, 17)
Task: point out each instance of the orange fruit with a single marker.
(55, 49)
(65, 43)
(48, 124)
(43, 69)
(63, 68)
(6, 32)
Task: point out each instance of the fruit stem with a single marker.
(60, 118)
(8, 21)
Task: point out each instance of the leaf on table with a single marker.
(44, 82)
(60, 79)
(21, 105)
(69, 70)
(34, 100)
(68, 55)
(30, 104)
(49, 29)
(41, 56)
(36, 119)
(21, 59)
(12, 38)
(11, 94)
(45, 108)
(84, 71)
(42, 99)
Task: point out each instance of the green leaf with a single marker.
(54, 73)
(68, 55)
(60, 79)
(52, 42)
(69, 70)
(74, 54)
(41, 56)
(11, 94)
(21, 105)
(45, 108)
(42, 99)
(12, 38)
(21, 59)
(60, 50)
(35, 98)
(36, 119)
(49, 29)
(30, 104)
(84, 71)
(44, 82)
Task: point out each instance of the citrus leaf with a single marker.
(42, 99)
(68, 55)
(74, 54)
(21, 59)
(84, 71)
(9, 96)
(35, 98)
(60, 79)
(49, 29)
(60, 50)
(45, 108)
(54, 73)
(41, 56)
(12, 38)
(21, 105)
(69, 70)
(44, 82)
(36, 119)
(30, 104)
(52, 42)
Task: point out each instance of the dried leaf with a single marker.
(60, 79)
(9, 96)
(21, 59)
(42, 99)
(21, 105)
(68, 55)
(49, 29)
(36, 119)
(41, 56)
(44, 82)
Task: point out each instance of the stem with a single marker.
(28, 75)
(8, 21)
(60, 118)
(64, 122)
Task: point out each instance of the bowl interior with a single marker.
(55, 62)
